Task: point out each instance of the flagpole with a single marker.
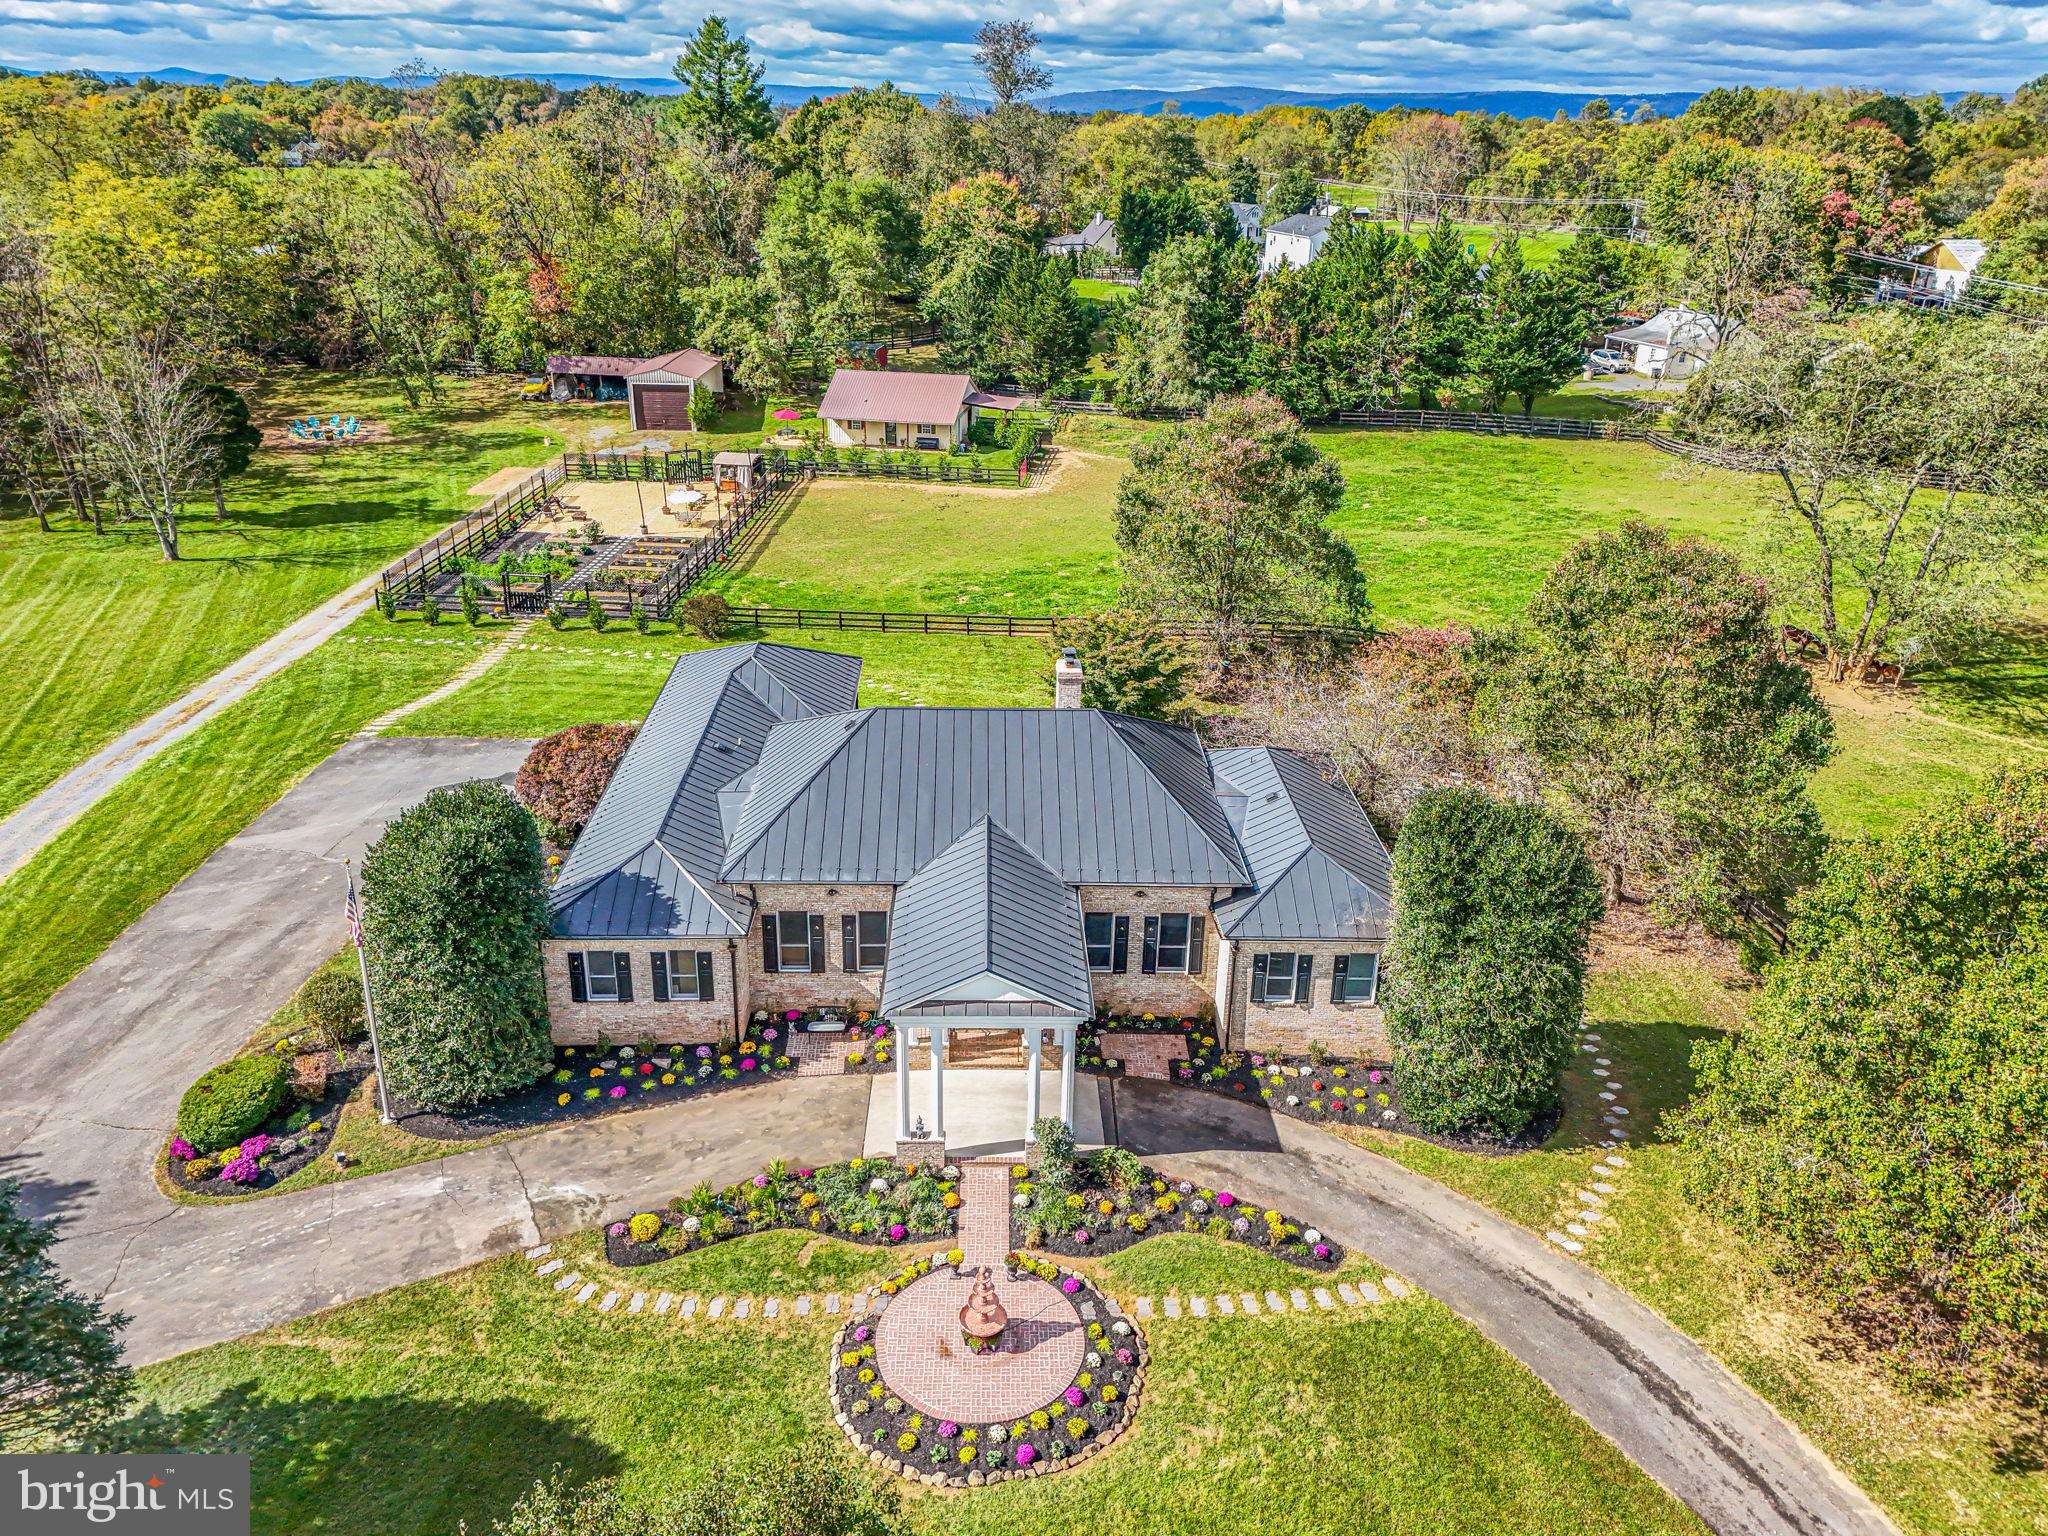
(369, 1006)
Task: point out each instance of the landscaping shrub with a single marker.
(231, 1101)
(564, 774)
(455, 909)
(707, 613)
(1880, 1124)
(1486, 967)
(330, 1003)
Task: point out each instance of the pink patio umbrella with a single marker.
(786, 414)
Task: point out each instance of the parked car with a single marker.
(1607, 360)
(533, 389)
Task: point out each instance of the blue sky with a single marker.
(1314, 45)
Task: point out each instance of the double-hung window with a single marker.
(793, 941)
(1098, 932)
(863, 941)
(1356, 979)
(681, 975)
(1173, 940)
(607, 975)
(1277, 985)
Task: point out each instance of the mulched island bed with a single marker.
(290, 1140)
(594, 1080)
(865, 1200)
(1322, 1091)
(1085, 1417)
(1086, 1207)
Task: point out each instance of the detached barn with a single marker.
(657, 390)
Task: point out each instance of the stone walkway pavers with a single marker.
(818, 1055)
(1588, 1212)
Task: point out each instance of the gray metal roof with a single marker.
(985, 921)
(1319, 870)
(871, 798)
(707, 725)
(1301, 224)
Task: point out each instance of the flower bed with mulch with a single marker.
(865, 1200)
(867, 1044)
(1083, 1418)
(1323, 1090)
(593, 1080)
(1087, 1207)
(296, 1136)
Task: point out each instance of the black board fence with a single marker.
(1005, 624)
(1492, 423)
(410, 580)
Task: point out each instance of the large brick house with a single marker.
(767, 844)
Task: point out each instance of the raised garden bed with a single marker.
(1076, 1420)
(865, 1200)
(589, 1081)
(293, 1138)
(1087, 1207)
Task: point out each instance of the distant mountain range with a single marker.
(1199, 101)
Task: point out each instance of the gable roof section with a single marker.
(1319, 870)
(706, 727)
(684, 363)
(984, 921)
(1102, 799)
(866, 394)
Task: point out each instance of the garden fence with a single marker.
(411, 579)
(1487, 422)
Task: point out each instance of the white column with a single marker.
(1067, 1055)
(1031, 1084)
(902, 1044)
(937, 1034)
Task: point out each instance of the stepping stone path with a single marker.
(1589, 1204)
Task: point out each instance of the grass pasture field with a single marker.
(1393, 1419)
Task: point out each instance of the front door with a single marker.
(889, 433)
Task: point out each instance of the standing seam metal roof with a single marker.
(986, 907)
(1319, 870)
(1104, 799)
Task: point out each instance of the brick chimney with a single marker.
(1066, 681)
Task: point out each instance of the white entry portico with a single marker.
(933, 1031)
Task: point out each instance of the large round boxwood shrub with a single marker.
(1486, 967)
(455, 908)
(232, 1101)
(330, 1003)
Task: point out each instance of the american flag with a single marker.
(353, 911)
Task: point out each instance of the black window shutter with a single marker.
(849, 943)
(624, 961)
(657, 963)
(817, 941)
(1304, 969)
(1120, 946)
(704, 975)
(1196, 922)
(1258, 978)
(1148, 961)
(578, 992)
(1338, 968)
(770, 960)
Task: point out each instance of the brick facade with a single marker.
(644, 1018)
(1347, 1029)
(833, 987)
(1134, 992)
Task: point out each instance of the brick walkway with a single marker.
(819, 1055)
(1146, 1055)
(985, 1212)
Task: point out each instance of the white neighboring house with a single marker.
(1250, 220)
(1099, 236)
(1943, 269)
(1295, 241)
(1671, 344)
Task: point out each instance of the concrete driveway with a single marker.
(1673, 1409)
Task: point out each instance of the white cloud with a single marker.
(1616, 46)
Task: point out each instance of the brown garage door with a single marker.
(663, 407)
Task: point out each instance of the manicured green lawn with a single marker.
(1939, 1466)
(1194, 1265)
(441, 1402)
(58, 911)
(759, 1264)
(99, 631)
